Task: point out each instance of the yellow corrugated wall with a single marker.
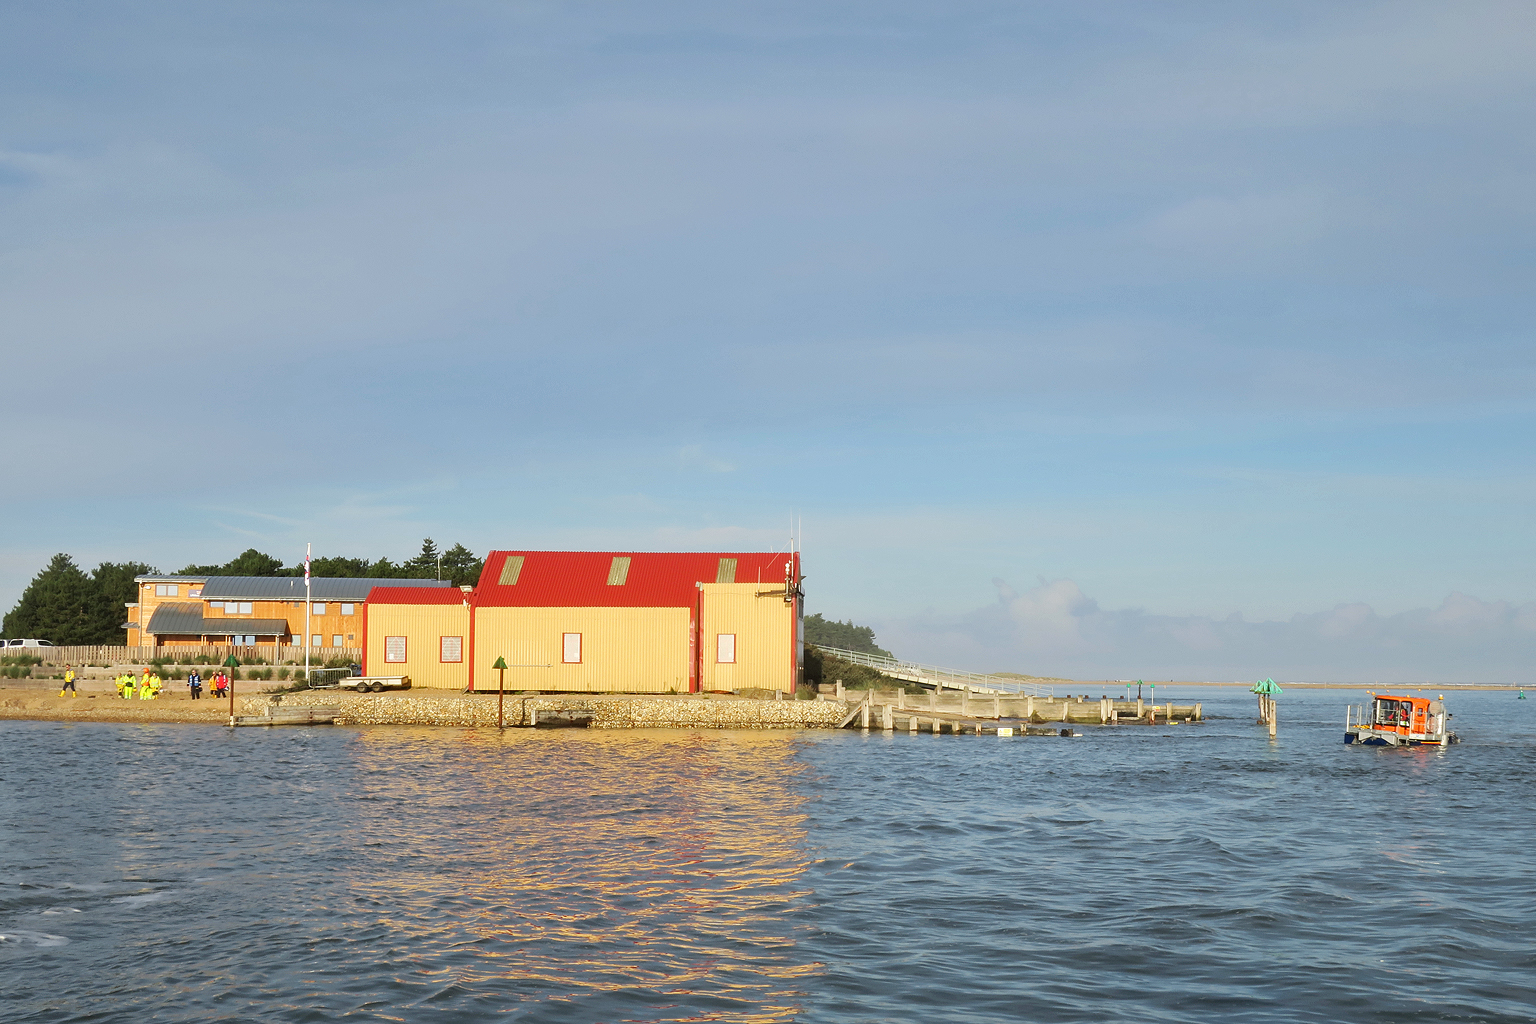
(765, 632)
(623, 650)
(423, 626)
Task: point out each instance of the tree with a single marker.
(384, 569)
(843, 635)
(64, 605)
(116, 582)
(347, 568)
(424, 565)
(249, 562)
(461, 566)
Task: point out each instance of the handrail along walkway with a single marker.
(937, 677)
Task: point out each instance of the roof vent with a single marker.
(510, 570)
(727, 571)
(618, 572)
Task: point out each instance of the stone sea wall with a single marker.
(608, 711)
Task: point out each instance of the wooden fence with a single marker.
(272, 654)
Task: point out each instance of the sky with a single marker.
(1093, 339)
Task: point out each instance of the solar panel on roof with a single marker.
(511, 569)
(618, 571)
(727, 571)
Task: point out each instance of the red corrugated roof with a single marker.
(579, 579)
(417, 595)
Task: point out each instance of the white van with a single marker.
(27, 643)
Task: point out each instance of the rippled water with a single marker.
(1186, 873)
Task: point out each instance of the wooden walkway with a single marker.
(962, 711)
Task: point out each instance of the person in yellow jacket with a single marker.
(123, 681)
(69, 682)
(144, 684)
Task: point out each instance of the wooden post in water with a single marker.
(1029, 707)
(997, 706)
(233, 663)
(888, 718)
(501, 691)
(864, 714)
(912, 724)
(839, 689)
(1268, 709)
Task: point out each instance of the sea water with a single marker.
(1178, 873)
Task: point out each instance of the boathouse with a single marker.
(599, 622)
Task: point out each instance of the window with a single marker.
(315, 640)
(194, 591)
(452, 649)
(243, 641)
(319, 607)
(394, 650)
(725, 648)
(572, 649)
(166, 590)
(217, 606)
(245, 607)
(511, 569)
(347, 609)
(618, 570)
(336, 640)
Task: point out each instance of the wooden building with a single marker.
(600, 622)
(248, 610)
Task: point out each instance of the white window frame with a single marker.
(456, 647)
(725, 648)
(348, 609)
(319, 608)
(395, 648)
(316, 640)
(244, 606)
(336, 640)
(570, 643)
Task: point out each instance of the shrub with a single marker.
(338, 663)
(282, 673)
(234, 674)
(298, 676)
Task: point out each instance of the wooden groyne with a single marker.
(962, 711)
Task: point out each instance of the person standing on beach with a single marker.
(144, 684)
(195, 684)
(69, 681)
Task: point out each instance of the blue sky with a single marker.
(1070, 331)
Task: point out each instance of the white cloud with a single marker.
(1056, 629)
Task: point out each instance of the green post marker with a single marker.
(1268, 709)
(231, 662)
(501, 690)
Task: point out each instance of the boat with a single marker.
(1390, 721)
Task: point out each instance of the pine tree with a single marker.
(116, 582)
(461, 566)
(424, 565)
(63, 605)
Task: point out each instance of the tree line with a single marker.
(68, 606)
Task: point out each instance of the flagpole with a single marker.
(308, 607)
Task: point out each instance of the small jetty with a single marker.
(278, 714)
(965, 711)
